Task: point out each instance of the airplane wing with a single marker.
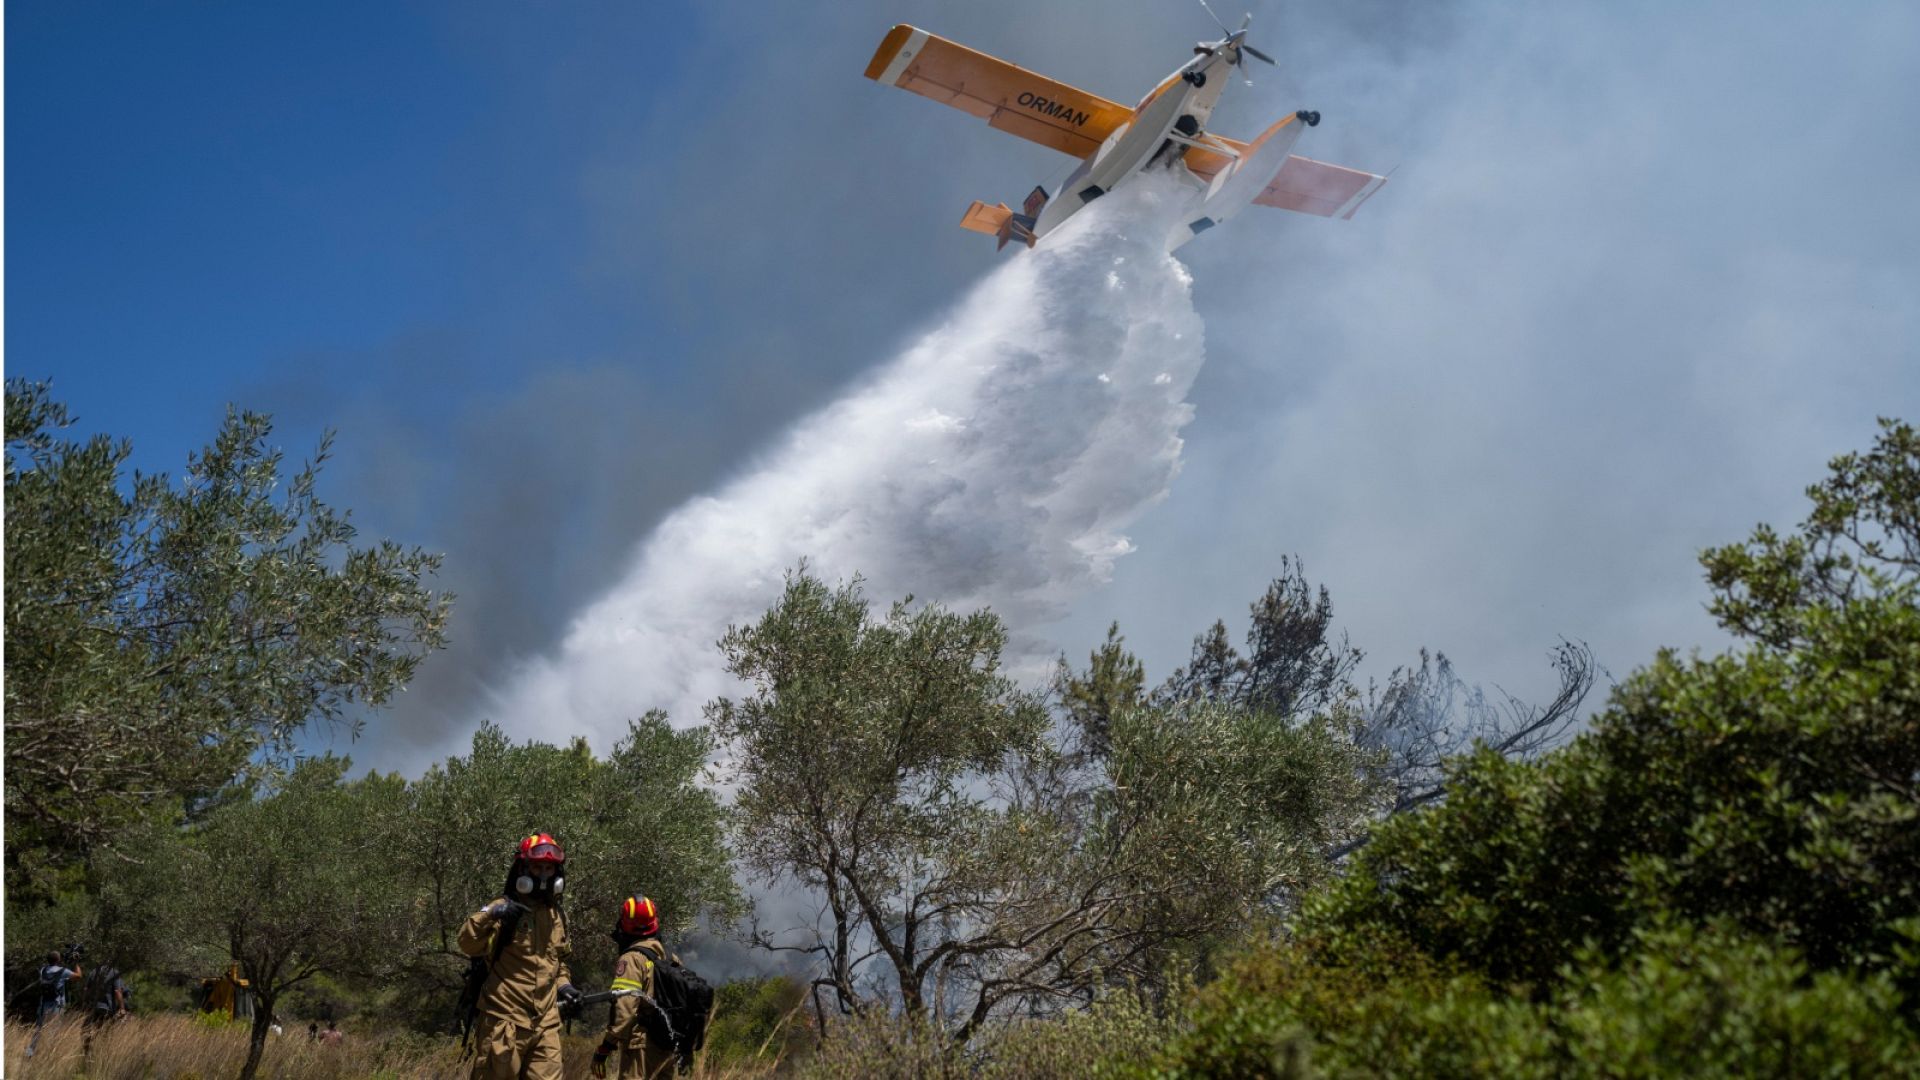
(1007, 97)
(1315, 187)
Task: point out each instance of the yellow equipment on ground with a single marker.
(229, 995)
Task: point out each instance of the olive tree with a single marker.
(160, 635)
(293, 883)
(966, 850)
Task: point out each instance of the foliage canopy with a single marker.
(980, 852)
(161, 635)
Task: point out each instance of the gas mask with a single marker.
(529, 885)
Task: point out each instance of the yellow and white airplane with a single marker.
(1167, 130)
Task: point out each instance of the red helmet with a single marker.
(542, 848)
(639, 917)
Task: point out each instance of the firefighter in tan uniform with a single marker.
(637, 934)
(517, 1033)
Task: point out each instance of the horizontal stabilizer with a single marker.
(1315, 187)
(1001, 222)
(982, 218)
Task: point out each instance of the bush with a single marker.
(1771, 788)
(1685, 1003)
(1115, 1037)
(1717, 1005)
(879, 1046)
(1273, 1012)
(759, 1020)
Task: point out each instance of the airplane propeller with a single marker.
(1216, 18)
(1236, 39)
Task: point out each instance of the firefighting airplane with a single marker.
(1168, 130)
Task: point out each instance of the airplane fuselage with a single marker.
(1172, 117)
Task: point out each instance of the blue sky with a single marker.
(553, 270)
(208, 199)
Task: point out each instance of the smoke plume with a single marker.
(997, 461)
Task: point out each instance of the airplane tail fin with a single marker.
(1000, 221)
(1036, 201)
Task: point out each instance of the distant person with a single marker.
(53, 979)
(522, 937)
(332, 1035)
(106, 998)
(636, 933)
(108, 993)
(313, 1031)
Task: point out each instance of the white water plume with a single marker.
(994, 462)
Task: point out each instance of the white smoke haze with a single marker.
(995, 462)
(1640, 271)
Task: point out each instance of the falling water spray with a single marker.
(997, 461)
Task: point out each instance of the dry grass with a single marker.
(178, 1047)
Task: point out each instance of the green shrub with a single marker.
(1288, 1010)
(1771, 788)
(1716, 1005)
(1117, 1036)
(759, 1019)
(1684, 1003)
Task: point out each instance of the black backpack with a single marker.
(55, 981)
(99, 988)
(685, 1004)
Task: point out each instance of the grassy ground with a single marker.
(179, 1047)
